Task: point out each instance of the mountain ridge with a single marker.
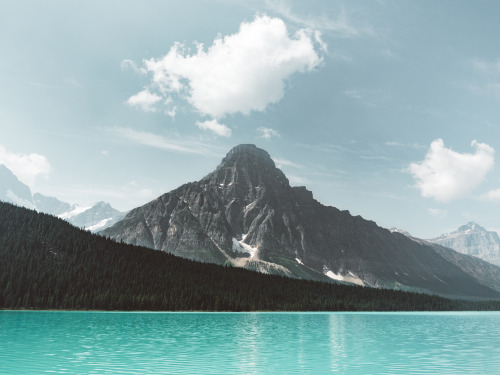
(98, 216)
(245, 213)
(49, 264)
(472, 239)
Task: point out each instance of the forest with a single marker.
(46, 263)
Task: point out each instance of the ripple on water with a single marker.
(248, 343)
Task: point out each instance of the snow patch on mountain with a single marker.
(472, 239)
(241, 247)
(76, 211)
(334, 276)
(100, 225)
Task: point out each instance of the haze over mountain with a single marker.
(473, 239)
(14, 191)
(245, 213)
(94, 217)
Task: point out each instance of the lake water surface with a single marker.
(249, 343)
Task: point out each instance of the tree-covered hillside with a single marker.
(45, 263)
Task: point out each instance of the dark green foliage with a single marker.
(45, 263)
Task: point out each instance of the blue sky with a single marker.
(389, 109)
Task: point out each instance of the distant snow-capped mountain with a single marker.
(14, 191)
(51, 205)
(95, 217)
(472, 239)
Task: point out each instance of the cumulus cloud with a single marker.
(268, 133)
(214, 126)
(145, 100)
(26, 167)
(238, 73)
(446, 175)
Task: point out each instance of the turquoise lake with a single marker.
(249, 343)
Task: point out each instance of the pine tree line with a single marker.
(46, 263)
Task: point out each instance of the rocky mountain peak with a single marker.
(245, 213)
(245, 170)
(471, 226)
(473, 239)
(249, 151)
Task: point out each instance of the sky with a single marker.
(388, 109)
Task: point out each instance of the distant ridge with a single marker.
(94, 218)
(472, 239)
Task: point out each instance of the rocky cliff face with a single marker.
(247, 214)
(472, 239)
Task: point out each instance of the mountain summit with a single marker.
(245, 213)
(473, 239)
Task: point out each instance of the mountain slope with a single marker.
(14, 191)
(46, 263)
(246, 213)
(94, 218)
(472, 239)
(51, 205)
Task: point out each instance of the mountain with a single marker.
(245, 213)
(46, 263)
(94, 218)
(402, 231)
(51, 205)
(472, 239)
(14, 191)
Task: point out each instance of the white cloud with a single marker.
(281, 162)
(416, 146)
(172, 112)
(145, 100)
(242, 72)
(493, 195)
(130, 64)
(26, 167)
(214, 126)
(446, 175)
(342, 24)
(296, 180)
(487, 67)
(161, 142)
(268, 133)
